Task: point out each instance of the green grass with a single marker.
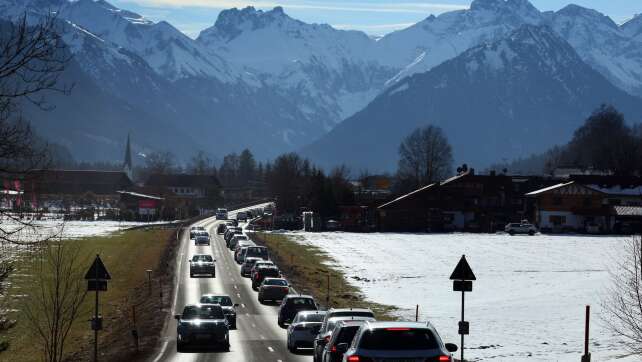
(127, 255)
(307, 268)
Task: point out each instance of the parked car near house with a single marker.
(293, 304)
(203, 325)
(520, 228)
(384, 341)
(593, 228)
(305, 326)
(274, 289)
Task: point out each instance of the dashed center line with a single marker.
(270, 349)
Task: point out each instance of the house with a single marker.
(589, 204)
(140, 206)
(69, 190)
(466, 202)
(188, 195)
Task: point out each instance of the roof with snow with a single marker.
(407, 195)
(550, 188)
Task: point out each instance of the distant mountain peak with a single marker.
(231, 22)
(576, 11)
(502, 4)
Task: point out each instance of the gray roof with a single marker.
(628, 210)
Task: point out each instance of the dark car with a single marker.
(202, 264)
(229, 308)
(331, 317)
(203, 238)
(304, 327)
(247, 266)
(343, 332)
(220, 229)
(268, 271)
(258, 252)
(384, 341)
(241, 216)
(273, 289)
(231, 231)
(221, 214)
(293, 304)
(202, 325)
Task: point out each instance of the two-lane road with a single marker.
(257, 337)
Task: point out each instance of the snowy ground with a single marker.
(527, 303)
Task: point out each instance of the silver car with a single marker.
(407, 341)
(304, 328)
(202, 264)
(520, 228)
(247, 265)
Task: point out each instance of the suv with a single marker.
(397, 341)
(202, 264)
(202, 324)
(273, 289)
(293, 304)
(258, 252)
(520, 228)
(247, 265)
(229, 308)
(221, 214)
(343, 332)
(329, 322)
(262, 273)
(241, 216)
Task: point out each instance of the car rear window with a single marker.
(353, 314)
(346, 335)
(280, 282)
(258, 251)
(398, 339)
(311, 317)
(301, 301)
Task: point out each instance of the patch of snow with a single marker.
(527, 303)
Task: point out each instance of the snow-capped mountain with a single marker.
(505, 99)
(633, 27)
(333, 72)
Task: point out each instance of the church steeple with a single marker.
(127, 165)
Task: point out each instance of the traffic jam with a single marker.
(328, 334)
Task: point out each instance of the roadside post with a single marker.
(97, 277)
(587, 356)
(149, 280)
(462, 278)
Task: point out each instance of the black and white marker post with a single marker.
(462, 278)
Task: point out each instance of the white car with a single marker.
(520, 228)
(304, 329)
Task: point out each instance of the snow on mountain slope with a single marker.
(332, 71)
(168, 51)
(633, 27)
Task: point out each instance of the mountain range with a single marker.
(264, 80)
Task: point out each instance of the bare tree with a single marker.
(160, 163)
(624, 304)
(32, 59)
(201, 164)
(57, 297)
(425, 156)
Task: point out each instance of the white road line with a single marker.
(242, 305)
(235, 286)
(239, 295)
(253, 325)
(270, 349)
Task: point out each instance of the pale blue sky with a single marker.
(372, 16)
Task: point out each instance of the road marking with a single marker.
(235, 286)
(242, 305)
(253, 325)
(239, 295)
(270, 349)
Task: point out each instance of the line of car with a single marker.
(345, 334)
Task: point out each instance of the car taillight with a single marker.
(354, 359)
(444, 359)
(333, 349)
(326, 339)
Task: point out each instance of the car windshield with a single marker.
(203, 312)
(279, 282)
(202, 258)
(223, 300)
(301, 302)
(398, 339)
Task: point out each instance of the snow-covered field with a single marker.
(527, 303)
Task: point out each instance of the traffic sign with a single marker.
(97, 285)
(463, 271)
(97, 271)
(462, 286)
(464, 328)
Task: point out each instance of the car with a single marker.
(241, 216)
(269, 271)
(377, 341)
(593, 228)
(203, 325)
(229, 234)
(220, 229)
(293, 304)
(520, 228)
(239, 254)
(229, 308)
(203, 238)
(202, 264)
(258, 252)
(247, 265)
(221, 214)
(259, 264)
(343, 332)
(305, 326)
(274, 289)
(326, 330)
(321, 340)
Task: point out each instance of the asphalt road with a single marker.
(257, 337)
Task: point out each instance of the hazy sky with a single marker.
(372, 16)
